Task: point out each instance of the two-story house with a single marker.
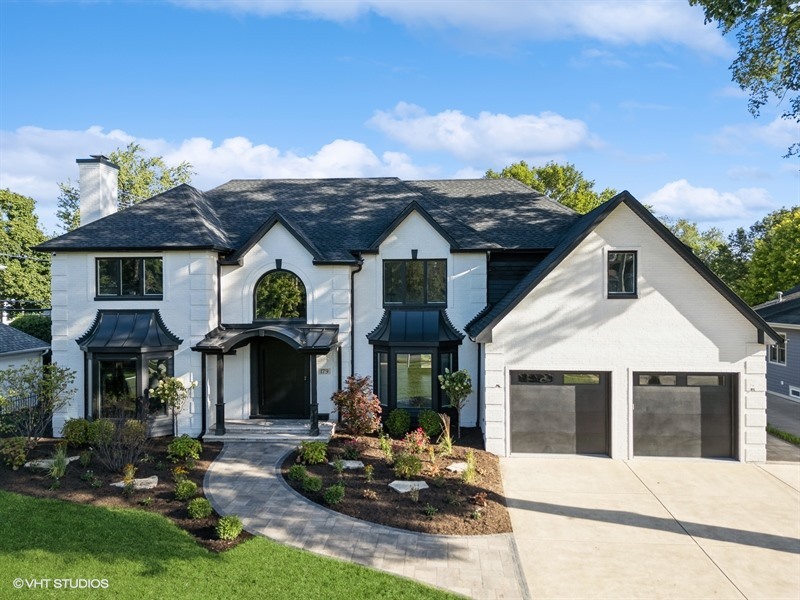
(594, 334)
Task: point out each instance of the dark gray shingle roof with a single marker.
(335, 216)
(13, 340)
(783, 312)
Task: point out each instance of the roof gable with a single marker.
(480, 327)
(236, 257)
(413, 207)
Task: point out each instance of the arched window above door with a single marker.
(280, 295)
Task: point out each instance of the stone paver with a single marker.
(245, 480)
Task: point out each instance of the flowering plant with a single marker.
(416, 441)
(172, 392)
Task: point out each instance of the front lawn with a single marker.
(144, 555)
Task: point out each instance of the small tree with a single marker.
(359, 407)
(33, 392)
(171, 392)
(458, 386)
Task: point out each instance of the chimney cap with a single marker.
(98, 158)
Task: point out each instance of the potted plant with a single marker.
(172, 392)
(458, 386)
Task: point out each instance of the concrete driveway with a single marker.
(655, 528)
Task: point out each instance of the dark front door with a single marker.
(280, 380)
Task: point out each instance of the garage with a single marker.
(684, 414)
(559, 412)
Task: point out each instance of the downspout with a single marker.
(353, 315)
(203, 393)
(480, 390)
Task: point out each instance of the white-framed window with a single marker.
(622, 272)
(777, 352)
(794, 392)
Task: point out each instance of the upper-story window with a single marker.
(622, 274)
(130, 278)
(777, 352)
(280, 295)
(415, 282)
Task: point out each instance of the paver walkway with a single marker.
(245, 480)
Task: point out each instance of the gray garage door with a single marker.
(559, 412)
(683, 414)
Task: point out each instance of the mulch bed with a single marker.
(73, 488)
(448, 507)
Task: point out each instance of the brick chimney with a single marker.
(99, 186)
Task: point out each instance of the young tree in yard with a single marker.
(26, 274)
(563, 183)
(140, 178)
(359, 408)
(458, 386)
(775, 265)
(37, 390)
(768, 64)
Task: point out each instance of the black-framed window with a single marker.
(777, 351)
(135, 277)
(279, 295)
(408, 377)
(121, 382)
(420, 282)
(622, 269)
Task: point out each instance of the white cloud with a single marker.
(489, 137)
(739, 139)
(35, 160)
(619, 22)
(680, 199)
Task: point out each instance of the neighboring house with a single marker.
(595, 334)
(783, 357)
(17, 347)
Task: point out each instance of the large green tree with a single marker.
(704, 243)
(775, 265)
(563, 183)
(140, 178)
(768, 64)
(24, 274)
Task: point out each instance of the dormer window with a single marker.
(280, 295)
(415, 283)
(130, 278)
(622, 274)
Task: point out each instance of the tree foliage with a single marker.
(563, 183)
(704, 243)
(775, 265)
(358, 406)
(37, 325)
(768, 63)
(140, 178)
(280, 295)
(26, 276)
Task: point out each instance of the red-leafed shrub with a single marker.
(359, 407)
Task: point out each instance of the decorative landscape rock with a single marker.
(457, 467)
(350, 464)
(403, 487)
(148, 483)
(46, 463)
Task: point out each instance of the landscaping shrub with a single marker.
(386, 448)
(185, 489)
(117, 444)
(312, 483)
(416, 441)
(334, 494)
(229, 528)
(59, 466)
(470, 474)
(353, 449)
(313, 453)
(359, 408)
(407, 466)
(398, 422)
(199, 508)
(297, 473)
(85, 458)
(184, 447)
(430, 423)
(15, 451)
(76, 432)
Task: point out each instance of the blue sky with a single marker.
(637, 94)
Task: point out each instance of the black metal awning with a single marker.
(414, 328)
(128, 331)
(308, 339)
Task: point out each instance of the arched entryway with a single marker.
(279, 380)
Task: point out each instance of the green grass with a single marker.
(785, 436)
(143, 555)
